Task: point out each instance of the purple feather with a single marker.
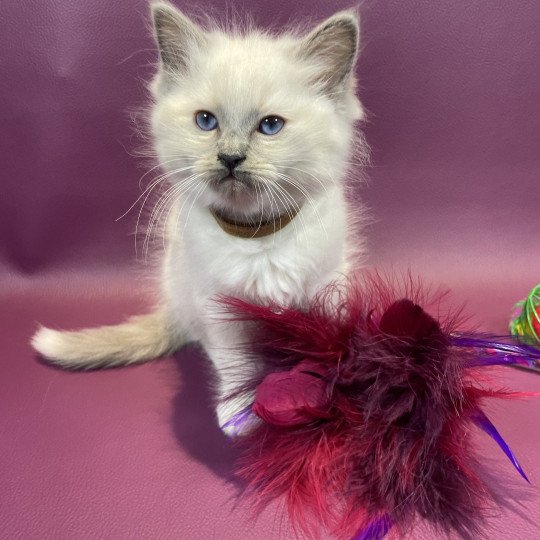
(239, 420)
(499, 350)
(484, 423)
(376, 530)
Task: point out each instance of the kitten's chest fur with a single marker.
(287, 267)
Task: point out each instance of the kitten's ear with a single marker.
(176, 36)
(333, 46)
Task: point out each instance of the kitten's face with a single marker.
(250, 123)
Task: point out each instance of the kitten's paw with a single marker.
(235, 417)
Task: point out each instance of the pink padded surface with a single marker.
(453, 94)
(135, 453)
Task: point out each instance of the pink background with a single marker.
(453, 94)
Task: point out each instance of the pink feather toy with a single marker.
(364, 410)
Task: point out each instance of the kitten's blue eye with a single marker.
(206, 120)
(271, 125)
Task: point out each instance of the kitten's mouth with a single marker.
(234, 185)
(231, 179)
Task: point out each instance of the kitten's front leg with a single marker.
(232, 404)
(232, 369)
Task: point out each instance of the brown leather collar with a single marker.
(250, 230)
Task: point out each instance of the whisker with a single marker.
(150, 221)
(201, 190)
(296, 206)
(177, 196)
(258, 190)
(158, 165)
(166, 201)
(308, 197)
(272, 187)
(170, 193)
(156, 181)
(312, 176)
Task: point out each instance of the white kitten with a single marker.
(256, 132)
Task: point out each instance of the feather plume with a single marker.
(367, 403)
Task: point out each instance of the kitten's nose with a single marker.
(231, 161)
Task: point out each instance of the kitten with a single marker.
(256, 133)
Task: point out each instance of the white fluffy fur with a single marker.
(241, 77)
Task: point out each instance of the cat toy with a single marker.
(525, 320)
(364, 411)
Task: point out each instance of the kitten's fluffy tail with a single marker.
(140, 338)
